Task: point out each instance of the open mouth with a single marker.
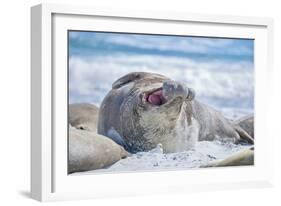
(156, 97)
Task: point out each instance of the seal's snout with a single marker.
(169, 90)
(173, 89)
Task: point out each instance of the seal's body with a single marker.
(83, 116)
(87, 149)
(143, 110)
(247, 123)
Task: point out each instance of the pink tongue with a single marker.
(155, 98)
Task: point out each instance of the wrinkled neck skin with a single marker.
(172, 126)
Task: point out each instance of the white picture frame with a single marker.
(49, 178)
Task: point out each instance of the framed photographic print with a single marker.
(135, 102)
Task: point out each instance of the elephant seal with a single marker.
(247, 123)
(83, 116)
(242, 158)
(143, 110)
(88, 150)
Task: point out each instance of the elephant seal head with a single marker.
(144, 109)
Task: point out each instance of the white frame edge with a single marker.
(40, 111)
(41, 76)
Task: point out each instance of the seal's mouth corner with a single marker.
(156, 97)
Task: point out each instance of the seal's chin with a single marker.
(156, 97)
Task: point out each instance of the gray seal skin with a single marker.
(144, 109)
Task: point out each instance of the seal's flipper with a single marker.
(247, 124)
(242, 158)
(244, 136)
(116, 137)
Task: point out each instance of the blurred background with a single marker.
(220, 70)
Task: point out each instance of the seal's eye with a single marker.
(156, 97)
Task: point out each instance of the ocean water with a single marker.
(226, 86)
(220, 70)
